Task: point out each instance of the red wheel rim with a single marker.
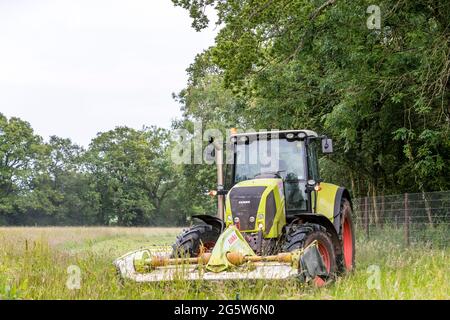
(325, 256)
(347, 240)
(319, 282)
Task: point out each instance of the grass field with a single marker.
(34, 263)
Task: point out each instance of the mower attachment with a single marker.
(231, 258)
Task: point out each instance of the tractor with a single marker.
(274, 212)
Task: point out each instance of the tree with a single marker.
(131, 173)
(74, 199)
(383, 95)
(20, 151)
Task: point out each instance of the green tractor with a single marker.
(281, 204)
(272, 208)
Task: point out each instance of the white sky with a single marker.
(73, 68)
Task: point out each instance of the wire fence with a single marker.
(409, 218)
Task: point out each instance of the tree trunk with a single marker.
(352, 179)
(428, 209)
(366, 216)
(382, 211)
(375, 205)
(406, 219)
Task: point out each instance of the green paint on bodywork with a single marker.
(275, 185)
(231, 240)
(323, 205)
(326, 200)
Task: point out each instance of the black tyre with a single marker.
(301, 235)
(189, 242)
(347, 259)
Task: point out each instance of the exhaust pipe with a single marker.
(218, 150)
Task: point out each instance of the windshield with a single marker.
(273, 156)
(280, 156)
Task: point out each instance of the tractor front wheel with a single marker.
(301, 235)
(190, 241)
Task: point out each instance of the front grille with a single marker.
(244, 205)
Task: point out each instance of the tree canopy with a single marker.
(382, 94)
(375, 78)
(125, 177)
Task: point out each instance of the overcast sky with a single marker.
(75, 68)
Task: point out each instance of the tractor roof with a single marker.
(309, 133)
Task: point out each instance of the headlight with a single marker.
(301, 135)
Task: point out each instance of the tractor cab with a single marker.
(291, 156)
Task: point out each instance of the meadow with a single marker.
(34, 264)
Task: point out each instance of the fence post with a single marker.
(366, 217)
(406, 220)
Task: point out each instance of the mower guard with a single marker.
(306, 264)
(126, 270)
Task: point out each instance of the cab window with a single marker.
(313, 159)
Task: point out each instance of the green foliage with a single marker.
(126, 177)
(132, 172)
(20, 154)
(383, 95)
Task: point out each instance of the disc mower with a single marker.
(276, 219)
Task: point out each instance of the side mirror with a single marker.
(327, 145)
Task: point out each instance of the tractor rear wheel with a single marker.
(347, 260)
(190, 241)
(301, 235)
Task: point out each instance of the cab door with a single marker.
(312, 151)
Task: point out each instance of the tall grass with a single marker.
(34, 262)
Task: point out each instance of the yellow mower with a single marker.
(276, 219)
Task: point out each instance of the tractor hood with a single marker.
(255, 204)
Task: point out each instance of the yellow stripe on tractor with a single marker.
(271, 226)
(326, 198)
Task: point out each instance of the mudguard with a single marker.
(341, 193)
(211, 220)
